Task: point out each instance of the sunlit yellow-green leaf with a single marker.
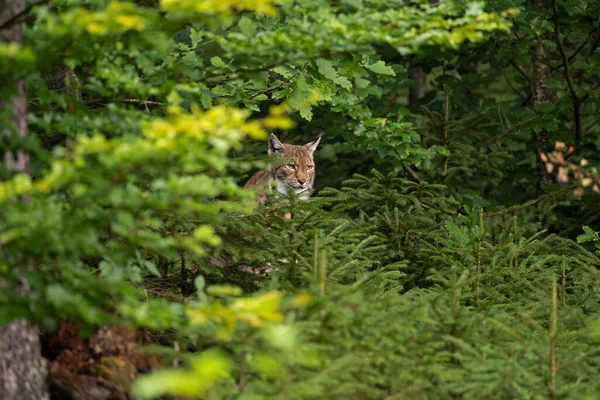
(206, 370)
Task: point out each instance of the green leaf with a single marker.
(580, 65)
(442, 150)
(405, 112)
(247, 26)
(151, 267)
(268, 366)
(554, 83)
(380, 68)
(224, 290)
(589, 235)
(326, 69)
(306, 112)
(583, 238)
(343, 82)
(217, 62)
(196, 37)
(361, 83)
(200, 283)
(58, 295)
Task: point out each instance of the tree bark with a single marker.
(417, 74)
(541, 94)
(18, 162)
(22, 368)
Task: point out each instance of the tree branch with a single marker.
(523, 98)
(412, 173)
(578, 73)
(272, 88)
(563, 53)
(571, 57)
(521, 69)
(138, 101)
(501, 135)
(281, 85)
(594, 46)
(513, 61)
(127, 101)
(593, 124)
(234, 73)
(577, 101)
(8, 23)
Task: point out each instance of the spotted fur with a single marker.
(296, 173)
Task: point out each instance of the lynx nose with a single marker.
(301, 181)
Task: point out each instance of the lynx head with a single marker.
(298, 172)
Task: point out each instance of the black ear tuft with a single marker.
(275, 146)
(312, 146)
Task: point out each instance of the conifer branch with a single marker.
(530, 203)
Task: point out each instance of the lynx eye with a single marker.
(292, 166)
(311, 166)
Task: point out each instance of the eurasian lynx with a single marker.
(297, 174)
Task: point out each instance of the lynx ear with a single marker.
(275, 146)
(312, 146)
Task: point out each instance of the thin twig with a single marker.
(176, 349)
(127, 101)
(183, 272)
(513, 88)
(279, 86)
(521, 69)
(479, 248)
(323, 272)
(243, 367)
(593, 48)
(590, 126)
(514, 61)
(507, 131)
(501, 119)
(553, 339)
(571, 57)
(137, 101)
(446, 129)
(271, 89)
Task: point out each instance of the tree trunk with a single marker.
(14, 33)
(416, 93)
(541, 94)
(22, 368)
